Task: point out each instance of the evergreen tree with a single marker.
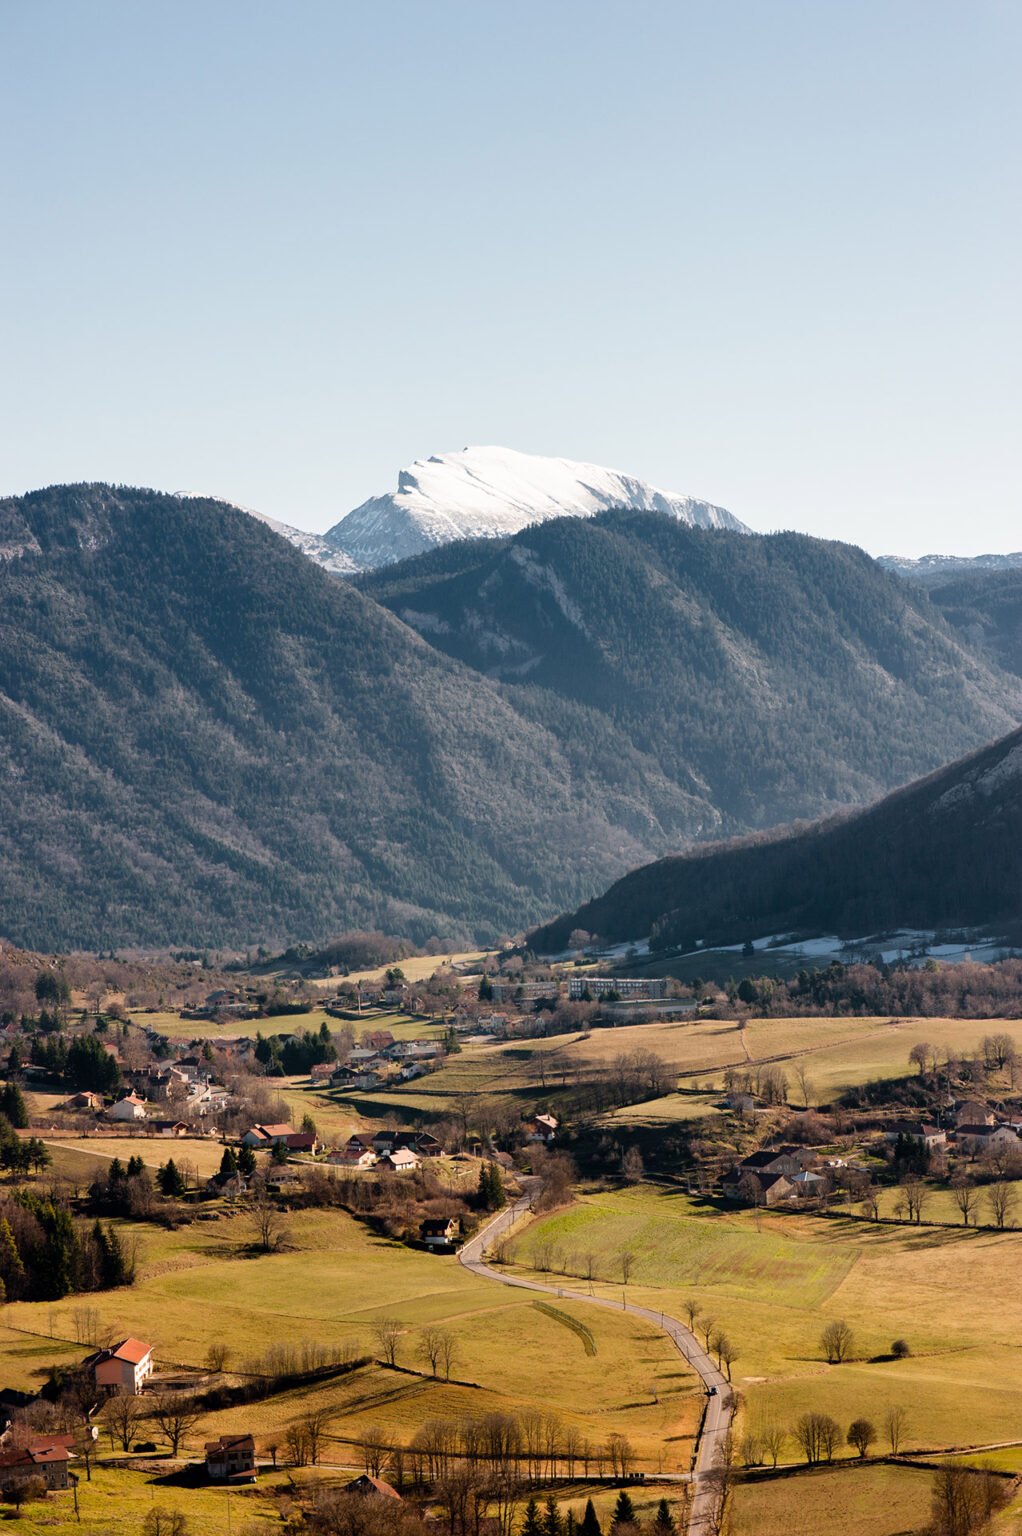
(228, 1163)
(590, 1524)
(531, 1524)
(551, 1523)
(55, 1262)
(12, 1104)
(169, 1179)
(12, 1270)
(113, 1269)
(485, 990)
(624, 1511)
(14, 1060)
(136, 1167)
(570, 1524)
(664, 1522)
(246, 1161)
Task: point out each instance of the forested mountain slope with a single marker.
(985, 607)
(206, 739)
(774, 676)
(943, 852)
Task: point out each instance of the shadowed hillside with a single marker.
(776, 677)
(946, 851)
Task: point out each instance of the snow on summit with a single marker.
(486, 492)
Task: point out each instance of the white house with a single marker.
(131, 1107)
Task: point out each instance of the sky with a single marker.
(758, 251)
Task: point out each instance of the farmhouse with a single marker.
(544, 1128)
(265, 1137)
(231, 1459)
(755, 1186)
(787, 1160)
(440, 1232)
(972, 1112)
(130, 1108)
(44, 1456)
(125, 1367)
(168, 1128)
(353, 1157)
(377, 1039)
(85, 1100)
(372, 1487)
(981, 1138)
(401, 1160)
(916, 1130)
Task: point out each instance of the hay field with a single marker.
(333, 1283)
(773, 1281)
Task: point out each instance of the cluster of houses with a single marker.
(184, 1088)
(381, 1060)
(776, 1174)
(397, 1151)
(974, 1130)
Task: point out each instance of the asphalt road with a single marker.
(717, 1419)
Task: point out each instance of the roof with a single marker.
(273, 1131)
(403, 1155)
(230, 1443)
(762, 1159)
(131, 1350)
(41, 1451)
(367, 1484)
(438, 1226)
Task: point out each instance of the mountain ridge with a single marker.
(487, 492)
(208, 740)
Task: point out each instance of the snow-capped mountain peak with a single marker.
(488, 492)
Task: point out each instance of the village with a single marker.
(414, 1112)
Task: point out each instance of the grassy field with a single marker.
(852, 1501)
(334, 1282)
(171, 1024)
(417, 968)
(84, 1155)
(117, 1500)
(772, 1282)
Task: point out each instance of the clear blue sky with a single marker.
(762, 251)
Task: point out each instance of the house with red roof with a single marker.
(124, 1367)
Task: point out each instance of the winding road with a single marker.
(719, 1401)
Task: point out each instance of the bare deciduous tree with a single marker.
(267, 1224)
(123, 1415)
(1002, 1199)
(176, 1415)
(773, 1437)
(895, 1426)
(964, 1193)
(387, 1332)
(836, 1341)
